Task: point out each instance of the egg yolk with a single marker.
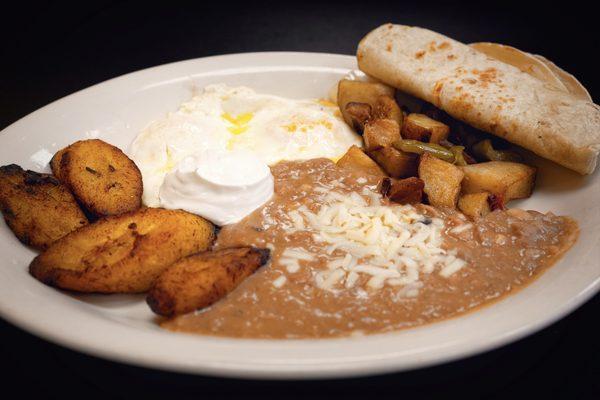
(237, 124)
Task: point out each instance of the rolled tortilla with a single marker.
(485, 93)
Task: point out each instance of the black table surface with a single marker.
(49, 51)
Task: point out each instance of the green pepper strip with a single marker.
(414, 146)
(486, 151)
(459, 158)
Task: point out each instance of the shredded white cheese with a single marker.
(387, 245)
(461, 228)
(279, 282)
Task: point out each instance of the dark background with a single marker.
(50, 50)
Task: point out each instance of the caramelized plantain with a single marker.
(37, 208)
(123, 253)
(102, 178)
(201, 279)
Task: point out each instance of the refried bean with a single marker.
(504, 251)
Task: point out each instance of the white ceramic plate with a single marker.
(121, 328)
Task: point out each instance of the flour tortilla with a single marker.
(569, 81)
(486, 93)
(522, 60)
(535, 65)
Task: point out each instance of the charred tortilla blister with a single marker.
(123, 253)
(102, 178)
(200, 280)
(37, 207)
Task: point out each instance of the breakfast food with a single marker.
(486, 93)
(225, 119)
(350, 92)
(442, 181)
(199, 280)
(102, 178)
(536, 66)
(403, 191)
(475, 205)
(377, 210)
(345, 261)
(222, 187)
(421, 127)
(37, 208)
(396, 163)
(124, 253)
(356, 158)
(508, 179)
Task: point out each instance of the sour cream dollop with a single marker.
(222, 187)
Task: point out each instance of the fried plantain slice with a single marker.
(103, 179)
(199, 280)
(36, 207)
(123, 253)
(55, 163)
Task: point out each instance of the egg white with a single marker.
(224, 118)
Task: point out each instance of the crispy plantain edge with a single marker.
(162, 303)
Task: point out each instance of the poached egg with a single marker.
(231, 119)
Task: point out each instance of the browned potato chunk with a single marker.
(421, 127)
(387, 108)
(474, 205)
(356, 159)
(380, 133)
(123, 253)
(403, 191)
(442, 181)
(359, 114)
(396, 163)
(360, 92)
(36, 207)
(509, 179)
(201, 279)
(102, 178)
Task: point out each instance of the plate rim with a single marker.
(319, 369)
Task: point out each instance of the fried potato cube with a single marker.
(475, 205)
(403, 191)
(103, 179)
(421, 127)
(200, 280)
(509, 179)
(360, 92)
(123, 253)
(380, 133)
(36, 207)
(386, 108)
(356, 159)
(359, 114)
(396, 163)
(442, 181)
